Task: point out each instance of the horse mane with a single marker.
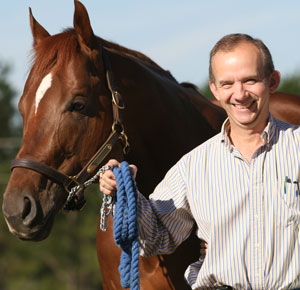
(189, 86)
(135, 55)
(58, 49)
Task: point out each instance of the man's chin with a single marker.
(252, 121)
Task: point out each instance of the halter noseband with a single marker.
(76, 200)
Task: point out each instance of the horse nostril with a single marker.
(29, 210)
(27, 207)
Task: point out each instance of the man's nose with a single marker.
(239, 91)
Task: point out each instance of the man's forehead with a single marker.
(229, 67)
(241, 46)
(248, 54)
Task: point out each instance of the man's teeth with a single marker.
(245, 106)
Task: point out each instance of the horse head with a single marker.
(64, 103)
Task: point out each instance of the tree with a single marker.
(290, 84)
(205, 90)
(7, 110)
(9, 129)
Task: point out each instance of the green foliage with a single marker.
(7, 113)
(7, 109)
(67, 259)
(205, 90)
(290, 84)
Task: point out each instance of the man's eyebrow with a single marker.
(255, 76)
(222, 82)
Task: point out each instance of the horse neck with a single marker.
(161, 122)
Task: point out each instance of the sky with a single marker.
(178, 35)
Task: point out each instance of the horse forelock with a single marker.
(55, 50)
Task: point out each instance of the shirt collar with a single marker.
(267, 135)
(269, 132)
(225, 133)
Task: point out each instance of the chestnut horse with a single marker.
(84, 93)
(285, 107)
(68, 115)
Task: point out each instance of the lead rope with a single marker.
(126, 228)
(124, 209)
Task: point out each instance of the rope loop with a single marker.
(126, 227)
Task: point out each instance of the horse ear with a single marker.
(83, 27)
(38, 31)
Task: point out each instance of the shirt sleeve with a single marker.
(165, 220)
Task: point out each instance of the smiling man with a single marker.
(240, 188)
(242, 77)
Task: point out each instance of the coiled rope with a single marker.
(126, 228)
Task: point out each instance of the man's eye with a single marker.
(226, 85)
(251, 81)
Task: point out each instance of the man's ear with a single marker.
(274, 81)
(214, 90)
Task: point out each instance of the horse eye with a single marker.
(76, 107)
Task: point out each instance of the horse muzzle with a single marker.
(25, 218)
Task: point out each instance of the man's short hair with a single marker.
(230, 41)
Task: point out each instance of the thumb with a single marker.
(133, 170)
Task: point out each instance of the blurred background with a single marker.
(178, 35)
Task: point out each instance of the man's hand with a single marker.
(107, 181)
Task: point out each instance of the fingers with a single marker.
(107, 181)
(113, 163)
(108, 184)
(133, 171)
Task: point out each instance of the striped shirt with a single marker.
(248, 213)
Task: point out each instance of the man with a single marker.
(241, 187)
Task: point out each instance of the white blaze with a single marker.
(41, 91)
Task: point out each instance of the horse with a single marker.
(87, 100)
(285, 107)
(83, 93)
